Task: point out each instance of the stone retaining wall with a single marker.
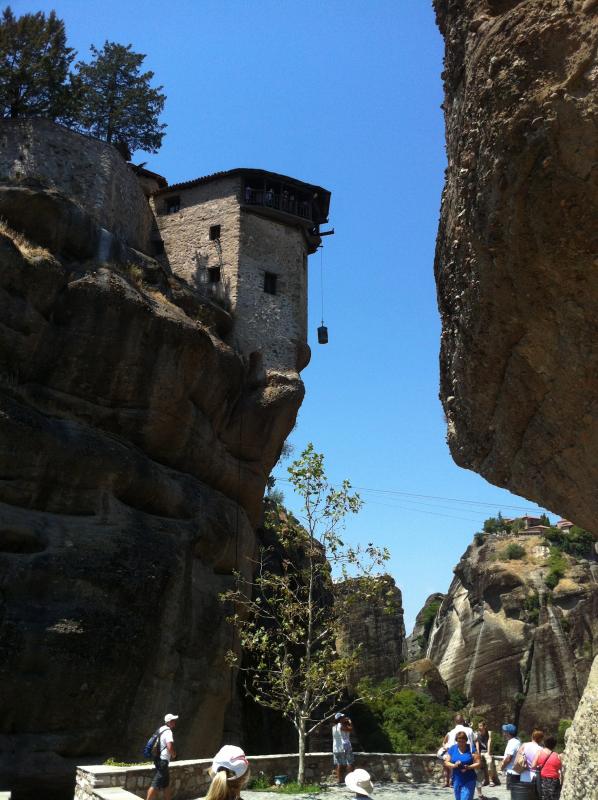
(190, 778)
(37, 153)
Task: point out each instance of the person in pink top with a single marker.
(549, 766)
(531, 750)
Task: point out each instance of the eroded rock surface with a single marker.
(516, 649)
(417, 642)
(377, 627)
(516, 251)
(517, 247)
(134, 449)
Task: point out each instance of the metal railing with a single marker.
(280, 201)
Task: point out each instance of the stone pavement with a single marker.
(383, 791)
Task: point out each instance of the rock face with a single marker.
(417, 643)
(582, 764)
(517, 650)
(424, 676)
(516, 255)
(134, 449)
(379, 629)
(517, 242)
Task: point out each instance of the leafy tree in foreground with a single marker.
(34, 66)
(115, 100)
(285, 616)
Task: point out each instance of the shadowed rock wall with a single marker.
(134, 449)
(377, 627)
(516, 251)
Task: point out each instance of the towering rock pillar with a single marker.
(516, 252)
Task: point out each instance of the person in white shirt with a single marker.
(449, 739)
(508, 761)
(166, 752)
(342, 752)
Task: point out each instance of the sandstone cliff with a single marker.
(376, 627)
(518, 650)
(516, 251)
(134, 448)
(517, 243)
(417, 642)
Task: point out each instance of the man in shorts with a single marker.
(342, 753)
(166, 752)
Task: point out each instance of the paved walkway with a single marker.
(383, 791)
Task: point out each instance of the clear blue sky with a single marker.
(345, 94)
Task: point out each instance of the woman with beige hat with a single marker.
(360, 782)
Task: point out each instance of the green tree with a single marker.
(411, 720)
(513, 551)
(285, 616)
(34, 66)
(115, 100)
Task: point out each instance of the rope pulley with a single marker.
(322, 330)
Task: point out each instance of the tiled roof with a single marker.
(215, 176)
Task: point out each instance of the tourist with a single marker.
(449, 741)
(530, 750)
(342, 752)
(463, 762)
(483, 743)
(166, 752)
(230, 772)
(360, 782)
(549, 766)
(510, 754)
(451, 737)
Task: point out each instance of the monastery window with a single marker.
(214, 232)
(270, 282)
(213, 274)
(172, 205)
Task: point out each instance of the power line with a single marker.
(420, 511)
(404, 494)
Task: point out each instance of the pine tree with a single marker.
(115, 100)
(34, 66)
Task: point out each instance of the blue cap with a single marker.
(509, 728)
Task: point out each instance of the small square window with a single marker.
(270, 282)
(173, 204)
(213, 274)
(214, 232)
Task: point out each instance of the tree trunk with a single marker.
(301, 766)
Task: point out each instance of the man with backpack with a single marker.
(161, 746)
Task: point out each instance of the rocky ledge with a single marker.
(134, 449)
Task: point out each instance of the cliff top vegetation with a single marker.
(109, 97)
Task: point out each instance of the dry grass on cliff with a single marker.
(27, 248)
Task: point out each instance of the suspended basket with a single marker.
(322, 334)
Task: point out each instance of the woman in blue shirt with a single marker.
(463, 764)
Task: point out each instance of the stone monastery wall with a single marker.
(274, 323)
(248, 247)
(40, 154)
(186, 233)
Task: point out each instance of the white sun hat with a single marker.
(359, 781)
(232, 759)
(170, 717)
